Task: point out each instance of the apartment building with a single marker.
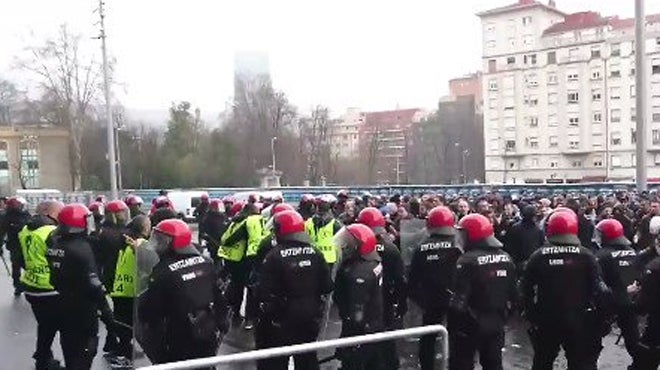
(559, 95)
(344, 140)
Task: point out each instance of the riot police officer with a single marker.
(294, 279)
(213, 225)
(431, 276)
(483, 292)
(322, 227)
(359, 296)
(82, 294)
(394, 284)
(617, 262)
(559, 288)
(648, 302)
(179, 297)
(267, 243)
(43, 298)
(16, 216)
(134, 204)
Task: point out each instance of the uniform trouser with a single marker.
(364, 357)
(16, 259)
(649, 352)
(629, 325)
(462, 348)
(185, 349)
(79, 338)
(123, 312)
(270, 335)
(427, 342)
(239, 273)
(48, 313)
(581, 344)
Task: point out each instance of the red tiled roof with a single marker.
(386, 118)
(578, 21)
(521, 4)
(617, 23)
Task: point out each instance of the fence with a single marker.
(308, 347)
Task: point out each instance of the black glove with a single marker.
(107, 317)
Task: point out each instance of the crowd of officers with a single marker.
(570, 268)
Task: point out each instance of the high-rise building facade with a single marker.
(559, 95)
(344, 140)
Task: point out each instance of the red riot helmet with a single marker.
(610, 233)
(117, 212)
(288, 226)
(17, 203)
(216, 205)
(204, 198)
(357, 238)
(171, 234)
(441, 220)
(371, 217)
(75, 219)
(236, 208)
(281, 207)
(134, 200)
(476, 229)
(96, 208)
(562, 228)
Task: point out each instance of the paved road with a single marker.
(18, 332)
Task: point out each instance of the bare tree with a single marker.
(71, 81)
(372, 154)
(315, 132)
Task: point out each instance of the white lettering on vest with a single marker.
(492, 258)
(560, 250)
(292, 252)
(435, 246)
(556, 262)
(624, 253)
(192, 261)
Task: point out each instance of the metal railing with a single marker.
(308, 347)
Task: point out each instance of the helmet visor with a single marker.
(460, 238)
(597, 238)
(91, 225)
(347, 243)
(159, 242)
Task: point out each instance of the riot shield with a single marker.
(148, 335)
(412, 234)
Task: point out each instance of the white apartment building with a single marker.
(344, 134)
(559, 95)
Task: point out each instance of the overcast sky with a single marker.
(363, 53)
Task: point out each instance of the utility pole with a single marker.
(640, 85)
(108, 109)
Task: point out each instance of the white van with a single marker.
(185, 202)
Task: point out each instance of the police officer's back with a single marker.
(358, 294)
(617, 263)
(213, 225)
(15, 217)
(648, 302)
(180, 296)
(111, 239)
(484, 290)
(75, 276)
(294, 278)
(524, 237)
(559, 288)
(431, 276)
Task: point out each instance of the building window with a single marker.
(494, 145)
(533, 121)
(574, 121)
(573, 76)
(573, 142)
(633, 91)
(576, 164)
(552, 79)
(615, 160)
(598, 117)
(535, 163)
(528, 40)
(531, 100)
(554, 163)
(512, 165)
(533, 142)
(616, 138)
(510, 145)
(655, 137)
(511, 61)
(632, 72)
(655, 66)
(526, 21)
(615, 93)
(492, 103)
(656, 159)
(615, 115)
(597, 145)
(595, 74)
(4, 165)
(552, 57)
(492, 84)
(492, 66)
(573, 54)
(595, 51)
(573, 97)
(615, 71)
(552, 98)
(529, 59)
(616, 50)
(553, 121)
(531, 80)
(656, 115)
(554, 141)
(596, 94)
(29, 162)
(633, 136)
(633, 114)
(490, 44)
(598, 161)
